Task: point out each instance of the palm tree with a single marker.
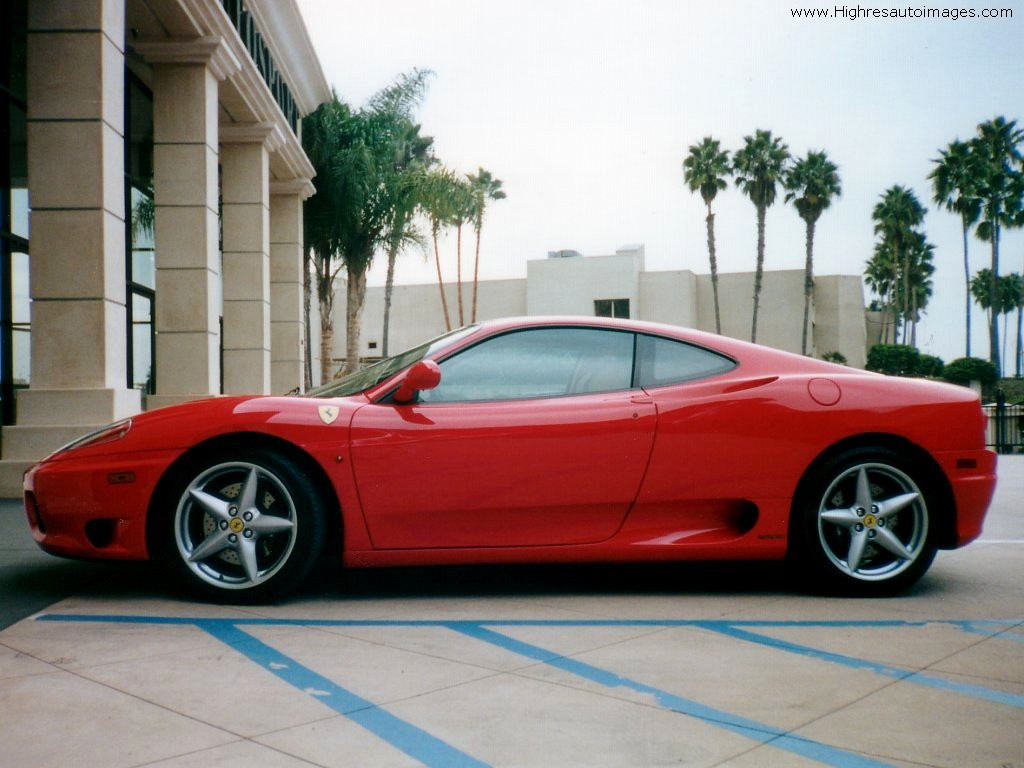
(355, 151)
(998, 161)
(812, 183)
(412, 155)
(882, 276)
(758, 166)
(1018, 223)
(1008, 289)
(954, 185)
(484, 187)
(321, 137)
(462, 203)
(896, 217)
(921, 263)
(706, 169)
(436, 203)
(1012, 297)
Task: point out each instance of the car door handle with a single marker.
(641, 399)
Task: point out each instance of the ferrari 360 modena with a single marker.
(536, 440)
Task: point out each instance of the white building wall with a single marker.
(569, 286)
(839, 319)
(669, 297)
(780, 313)
(416, 313)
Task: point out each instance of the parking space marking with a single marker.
(751, 729)
(404, 736)
(431, 751)
(887, 670)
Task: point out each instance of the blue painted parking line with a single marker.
(765, 734)
(886, 670)
(431, 751)
(411, 740)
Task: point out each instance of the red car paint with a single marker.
(703, 469)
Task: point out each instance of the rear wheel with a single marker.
(243, 526)
(864, 524)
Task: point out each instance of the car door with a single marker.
(533, 437)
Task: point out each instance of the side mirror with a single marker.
(424, 375)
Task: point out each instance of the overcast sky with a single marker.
(585, 109)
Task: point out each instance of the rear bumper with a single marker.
(972, 478)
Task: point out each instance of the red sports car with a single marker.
(536, 440)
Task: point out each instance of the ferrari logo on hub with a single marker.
(328, 413)
(236, 524)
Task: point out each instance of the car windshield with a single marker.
(374, 374)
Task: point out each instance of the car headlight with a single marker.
(107, 434)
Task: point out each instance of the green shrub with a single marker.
(834, 357)
(964, 370)
(894, 359)
(930, 365)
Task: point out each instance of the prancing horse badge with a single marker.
(328, 413)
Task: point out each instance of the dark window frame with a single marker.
(613, 308)
(133, 287)
(13, 15)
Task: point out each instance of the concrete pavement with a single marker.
(613, 666)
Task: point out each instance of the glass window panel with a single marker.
(666, 361)
(21, 342)
(14, 16)
(537, 363)
(142, 229)
(142, 308)
(19, 172)
(139, 163)
(21, 302)
(611, 308)
(142, 342)
(142, 357)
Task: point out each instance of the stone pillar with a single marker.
(245, 197)
(185, 186)
(76, 178)
(287, 319)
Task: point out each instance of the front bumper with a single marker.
(93, 507)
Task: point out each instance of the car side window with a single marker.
(662, 361)
(541, 362)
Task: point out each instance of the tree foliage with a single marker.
(706, 170)
(812, 182)
(354, 152)
(964, 370)
(758, 168)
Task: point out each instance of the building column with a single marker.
(287, 318)
(76, 178)
(185, 186)
(245, 197)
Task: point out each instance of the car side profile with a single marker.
(536, 440)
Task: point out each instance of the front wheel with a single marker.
(863, 524)
(243, 526)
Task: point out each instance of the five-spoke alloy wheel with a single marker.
(865, 523)
(245, 526)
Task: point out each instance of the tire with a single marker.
(242, 526)
(863, 523)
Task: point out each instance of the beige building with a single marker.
(618, 285)
(151, 218)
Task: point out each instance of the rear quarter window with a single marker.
(662, 361)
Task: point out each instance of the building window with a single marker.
(15, 329)
(611, 308)
(140, 263)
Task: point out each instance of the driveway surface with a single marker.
(705, 665)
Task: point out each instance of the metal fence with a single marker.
(1005, 431)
